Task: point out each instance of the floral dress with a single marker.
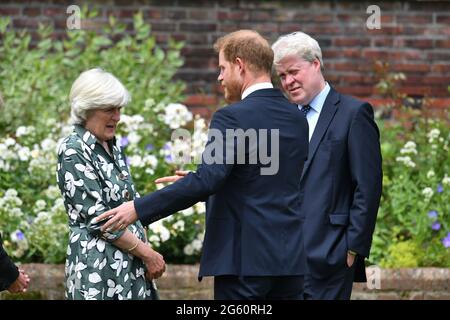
(92, 182)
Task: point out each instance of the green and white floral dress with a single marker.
(92, 182)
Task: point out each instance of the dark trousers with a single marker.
(337, 286)
(258, 288)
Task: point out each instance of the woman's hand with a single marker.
(155, 264)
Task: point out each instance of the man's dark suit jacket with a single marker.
(341, 185)
(253, 222)
(8, 270)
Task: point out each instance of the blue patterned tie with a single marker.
(305, 109)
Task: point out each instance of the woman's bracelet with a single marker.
(134, 247)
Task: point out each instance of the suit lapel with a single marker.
(325, 117)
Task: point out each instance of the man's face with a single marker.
(229, 78)
(300, 79)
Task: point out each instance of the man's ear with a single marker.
(240, 64)
(316, 63)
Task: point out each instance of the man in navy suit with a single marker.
(342, 179)
(253, 241)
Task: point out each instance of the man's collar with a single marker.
(319, 100)
(256, 86)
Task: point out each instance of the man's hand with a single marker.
(120, 217)
(178, 175)
(21, 283)
(155, 265)
(350, 259)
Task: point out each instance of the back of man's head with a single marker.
(248, 45)
(297, 44)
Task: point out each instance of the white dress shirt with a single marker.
(316, 107)
(256, 86)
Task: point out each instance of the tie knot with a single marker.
(305, 109)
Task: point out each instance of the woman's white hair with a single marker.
(95, 89)
(297, 44)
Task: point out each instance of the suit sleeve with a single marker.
(366, 171)
(198, 185)
(8, 270)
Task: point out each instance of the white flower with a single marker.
(48, 145)
(446, 180)
(151, 160)
(134, 138)
(406, 161)
(160, 229)
(428, 193)
(177, 115)
(136, 161)
(200, 207)
(10, 193)
(23, 131)
(10, 142)
(179, 225)
(433, 134)
(197, 245)
(187, 212)
(430, 174)
(40, 204)
(409, 148)
(24, 153)
(188, 250)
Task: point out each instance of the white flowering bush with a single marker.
(413, 226)
(35, 82)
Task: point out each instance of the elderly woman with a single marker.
(93, 177)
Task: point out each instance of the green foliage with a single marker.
(404, 254)
(413, 225)
(35, 81)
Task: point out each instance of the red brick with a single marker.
(351, 42)
(154, 14)
(411, 67)
(444, 56)
(440, 68)
(122, 13)
(260, 16)
(9, 11)
(58, 11)
(443, 19)
(199, 15)
(419, 43)
(442, 44)
(175, 14)
(198, 27)
(23, 23)
(415, 18)
(31, 11)
(382, 42)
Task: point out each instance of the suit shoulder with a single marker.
(352, 104)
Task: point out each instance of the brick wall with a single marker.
(414, 37)
(179, 282)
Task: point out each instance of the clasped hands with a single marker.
(20, 284)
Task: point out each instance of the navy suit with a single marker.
(253, 221)
(8, 270)
(340, 190)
